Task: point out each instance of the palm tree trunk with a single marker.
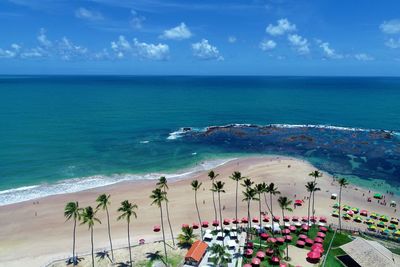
(73, 243)
(215, 207)
(313, 202)
(129, 246)
(248, 220)
(236, 215)
(308, 217)
(198, 214)
(270, 201)
(266, 203)
(163, 234)
(91, 240)
(287, 246)
(169, 222)
(109, 234)
(340, 208)
(220, 216)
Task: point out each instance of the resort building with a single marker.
(196, 253)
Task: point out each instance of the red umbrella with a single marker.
(204, 224)
(195, 225)
(245, 220)
(305, 227)
(271, 240)
(280, 240)
(286, 218)
(156, 228)
(313, 255)
(292, 228)
(364, 213)
(264, 236)
(227, 221)
(248, 252)
(185, 225)
(300, 243)
(323, 229)
(255, 261)
(260, 255)
(320, 234)
(215, 223)
(318, 240)
(304, 218)
(298, 202)
(266, 218)
(313, 218)
(275, 259)
(247, 265)
(302, 236)
(286, 231)
(295, 218)
(318, 249)
(255, 220)
(235, 221)
(288, 238)
(276, 218)
(269, 251)
(316, 245)
(282, 265)
(249, 245)
(322, 219)
(309, 241)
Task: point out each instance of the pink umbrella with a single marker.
(260, 255)
(245, 220)
(350, 212)
(156, 228)
(264, 236)
(292, 228)
(227, 221)
(248, 252)
(269, 251)
(276, 218)
(266, 218)
(215, 223)
(195, 226)
(282, 265)
(255, 261)
(302, 236)
(295, 218)
(309, 241)
(298, 202)
(304, 218)
(313, 255)
(320, 234)
(271, 240)
(318, 249)
(235, 221)
(249, 245)
(185, 225)
(323, 229)
(300, 243)
(305, 227)
(255, 220)
(204, 224)
(364, 212)
(286, 218)
(286, 231)
(275, 259)
(316, 245)
(280, 240)
(288, 238)
(318, 240)
(247, 265)
(314, 218)
(323, 219)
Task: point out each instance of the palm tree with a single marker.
(103, 201)
(249, 195)
(128, 209)
(219, 254)
(247, 183)
(311, 187)
(260, 189)
(219, 188)
(313, 199)
(316, 174)
(272, 191)
(212, 175)
(342, 183)
(196, 186)
(159, 197)
(236, 176)
(162, 183)
(285, 204)
(73, 211)
(186, 238)
(89, 218)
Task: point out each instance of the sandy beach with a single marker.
(35, 234)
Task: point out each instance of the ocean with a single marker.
(68, 133)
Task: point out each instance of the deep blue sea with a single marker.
(66, 133)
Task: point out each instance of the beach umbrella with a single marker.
(195, 226)
(255, 261)
(260, 255)
(269, 251)
(350, 212)
(336, 205)
(384, 218)
(300, 243)
(394, 220)
(358, 219)
(397, 233)
(245, 220)
(318, 246)
(235, 221)
(298, 224)
(320, 234)
(305, 227)
(264, 236)
(372, 227)
(292, 228)
(370, 221)
(381, 224)
(309, 241)
(318, 240)
(286, 218)
(227, 221)
(271, 240)
(392, 226)
(298, 202)
(276, 218)
(378, 196)
(355, 210)
(288, 238)
(314, 218)
(248, 252)
(304, 218)
(386, 232)
(275, 259)
(249, 245)
(247, 265)
(185, 225)
(314, 255)
(295, 218)
(282, 265)
(255, 220)
(364, 212)
(346, 217)
(156, 228)
(286, 231)
(266, 218)
(215, 223)
(302, 236)
(323, 229)
(374, 215)
(323, 219)
(335, 213)
(346, 207)
(204, 224)
(280, 240)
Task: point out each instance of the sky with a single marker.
(207, 37)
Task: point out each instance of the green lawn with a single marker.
(173, 260)
(331, 260)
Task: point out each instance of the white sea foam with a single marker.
(144, 142)
(26, 193)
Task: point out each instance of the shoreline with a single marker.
(33, 234)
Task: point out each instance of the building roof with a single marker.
(370, 253)
(197, 251)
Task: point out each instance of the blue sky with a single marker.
(224, 37)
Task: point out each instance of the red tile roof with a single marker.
(197, 251)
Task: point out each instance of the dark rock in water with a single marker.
(186, 129)
(328, 146)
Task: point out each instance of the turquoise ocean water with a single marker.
(62, 134)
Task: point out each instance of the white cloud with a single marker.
(121, 46)
(8, 53)
(42, 38)
(84, 13)
(328, 51)
(299, 43)
(137, 20)
(393, 43)
(391, 26)
(363, 57)
(283, 26)
(266, 45)
(68, 50)
(232, 39)
(179, 32)
(204, 50)
(151, 51)
(33, 53)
